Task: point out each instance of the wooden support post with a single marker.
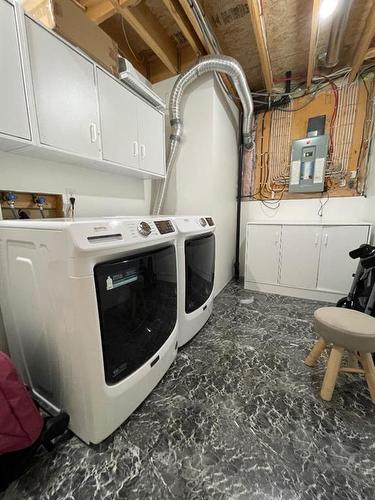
(363, 43)
(313, 42)
(260, 38)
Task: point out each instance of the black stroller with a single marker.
(361, 296)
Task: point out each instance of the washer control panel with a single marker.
(202, 222)
(144, 228)
(164, 226)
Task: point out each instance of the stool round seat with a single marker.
(351, 329)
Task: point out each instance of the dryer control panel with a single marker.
(164, 226)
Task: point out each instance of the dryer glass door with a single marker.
(137, 303)
(199, 271)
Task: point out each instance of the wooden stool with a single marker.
(347, 330)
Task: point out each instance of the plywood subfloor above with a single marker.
(231, 23)
(286, 24)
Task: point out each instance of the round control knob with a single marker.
(202, 221)
(144, 229)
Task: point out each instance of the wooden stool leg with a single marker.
(315, 352)
(332, 370)
(368, 365)
(353, 360)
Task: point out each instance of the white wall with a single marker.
(369, 214)
(205, 175)
(97, 193)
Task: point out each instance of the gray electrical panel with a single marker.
(307, 171)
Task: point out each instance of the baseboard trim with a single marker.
(323, 295)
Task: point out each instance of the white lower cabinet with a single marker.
(263, 253)
(302, 260)
(335, 266)
(300, 256)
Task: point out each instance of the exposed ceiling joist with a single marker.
(158, 72)
(147, 27)
(102, 11)
(260, 38)
(363, 45)
(314, 31)
(190, 14)
(114, 28)
(370, 54)
(182, 21)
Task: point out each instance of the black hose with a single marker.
(239, 200)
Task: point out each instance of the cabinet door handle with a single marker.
(93, 132)
(135, 148)
(143, 151)
(325, 239)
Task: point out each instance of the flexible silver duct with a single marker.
(207, 64)
(336, 35)
(212, 42)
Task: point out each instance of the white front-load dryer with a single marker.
(196, 270)
(90, 311)
(196, 257)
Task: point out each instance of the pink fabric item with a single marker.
(20, 420)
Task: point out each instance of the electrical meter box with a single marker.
(308, 166)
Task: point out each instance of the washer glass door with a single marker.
(199, 271)
(137, 303)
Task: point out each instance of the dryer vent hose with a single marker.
(207, 64)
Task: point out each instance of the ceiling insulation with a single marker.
(118, 28)
(357, 19)
(230, 19)
(287, 29)
(288, 35)
(165, 19)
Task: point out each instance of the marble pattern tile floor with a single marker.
(238, 416)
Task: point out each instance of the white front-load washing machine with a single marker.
(196, 257)
(90, 311)
(196, 271)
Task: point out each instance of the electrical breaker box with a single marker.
(308, 166)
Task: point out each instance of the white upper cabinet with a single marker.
(263, 253)
(300, 249)
(118, 120)
(336, 267)
(14, 119)
(57, 103)
(65, 94)
(151, 139)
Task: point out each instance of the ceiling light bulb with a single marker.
(327, 8)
